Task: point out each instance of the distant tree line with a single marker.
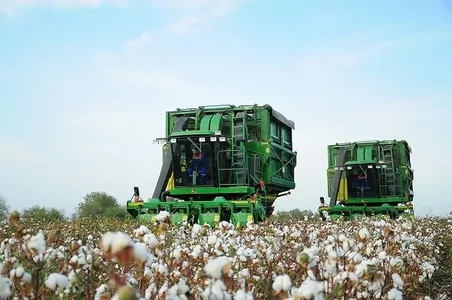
(94, 204)
(100, 204)
(294, 214)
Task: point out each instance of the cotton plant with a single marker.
(303, 259)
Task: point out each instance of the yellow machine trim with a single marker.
(170, 184)
(343, 189)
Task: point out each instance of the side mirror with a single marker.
(136, 191)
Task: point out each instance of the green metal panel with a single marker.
(368, 151)
(205, 123)
(190, 133)
(199, 190)
(216, 122)
(360, 154)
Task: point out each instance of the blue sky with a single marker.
(85, 85)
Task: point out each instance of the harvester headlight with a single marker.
(213, 138)
(222, 139)
(173, 141)
(217, 132)
(202, 139)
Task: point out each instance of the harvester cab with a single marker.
(222, 162)
(369, 178)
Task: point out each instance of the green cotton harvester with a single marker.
(369, 178)
(221, 163)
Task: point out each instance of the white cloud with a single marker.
(207, 12)
(189, 15)
(326, 65)
(142, 40)
(16, 153)
(184, 4)
(11, 7)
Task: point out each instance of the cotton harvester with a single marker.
(221, 163)
(369, 178)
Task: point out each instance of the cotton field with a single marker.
(308, 259)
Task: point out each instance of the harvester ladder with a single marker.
(256, 169)
(238, 155)
(388, 184)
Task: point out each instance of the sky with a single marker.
(85, 84)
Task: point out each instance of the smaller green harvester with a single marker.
(221, 163)
(369, 178)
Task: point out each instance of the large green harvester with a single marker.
(221, 163)
(369, 178)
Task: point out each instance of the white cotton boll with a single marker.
(162, 216)
(26, 277)
(215, 267)
(140, 231)
(243, 295)
(357, 258)
(37, 243)
(360, 270)
(56, 280)
(162, 269)
(102, 289)
(364, 233)
(365, 295)
(382, 255)
(20, 271)
(345, 245)
(81, 261)
(150, 240)
(5, 288)
(140, 251)
(215, 291)
(183, 287)
(196, 251)
(331, 239)
(353, 277)
(329, 248)
(116, 241)
(396, 262)
(287, 283)
(122, 241)
(398, 281)
(172, 292)
(177, 253)
(332, 255)
(212, 239)
(282, 283)
(73, 259)
(395, 294)
(196, 229)
(310, 288)
(344, 275)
